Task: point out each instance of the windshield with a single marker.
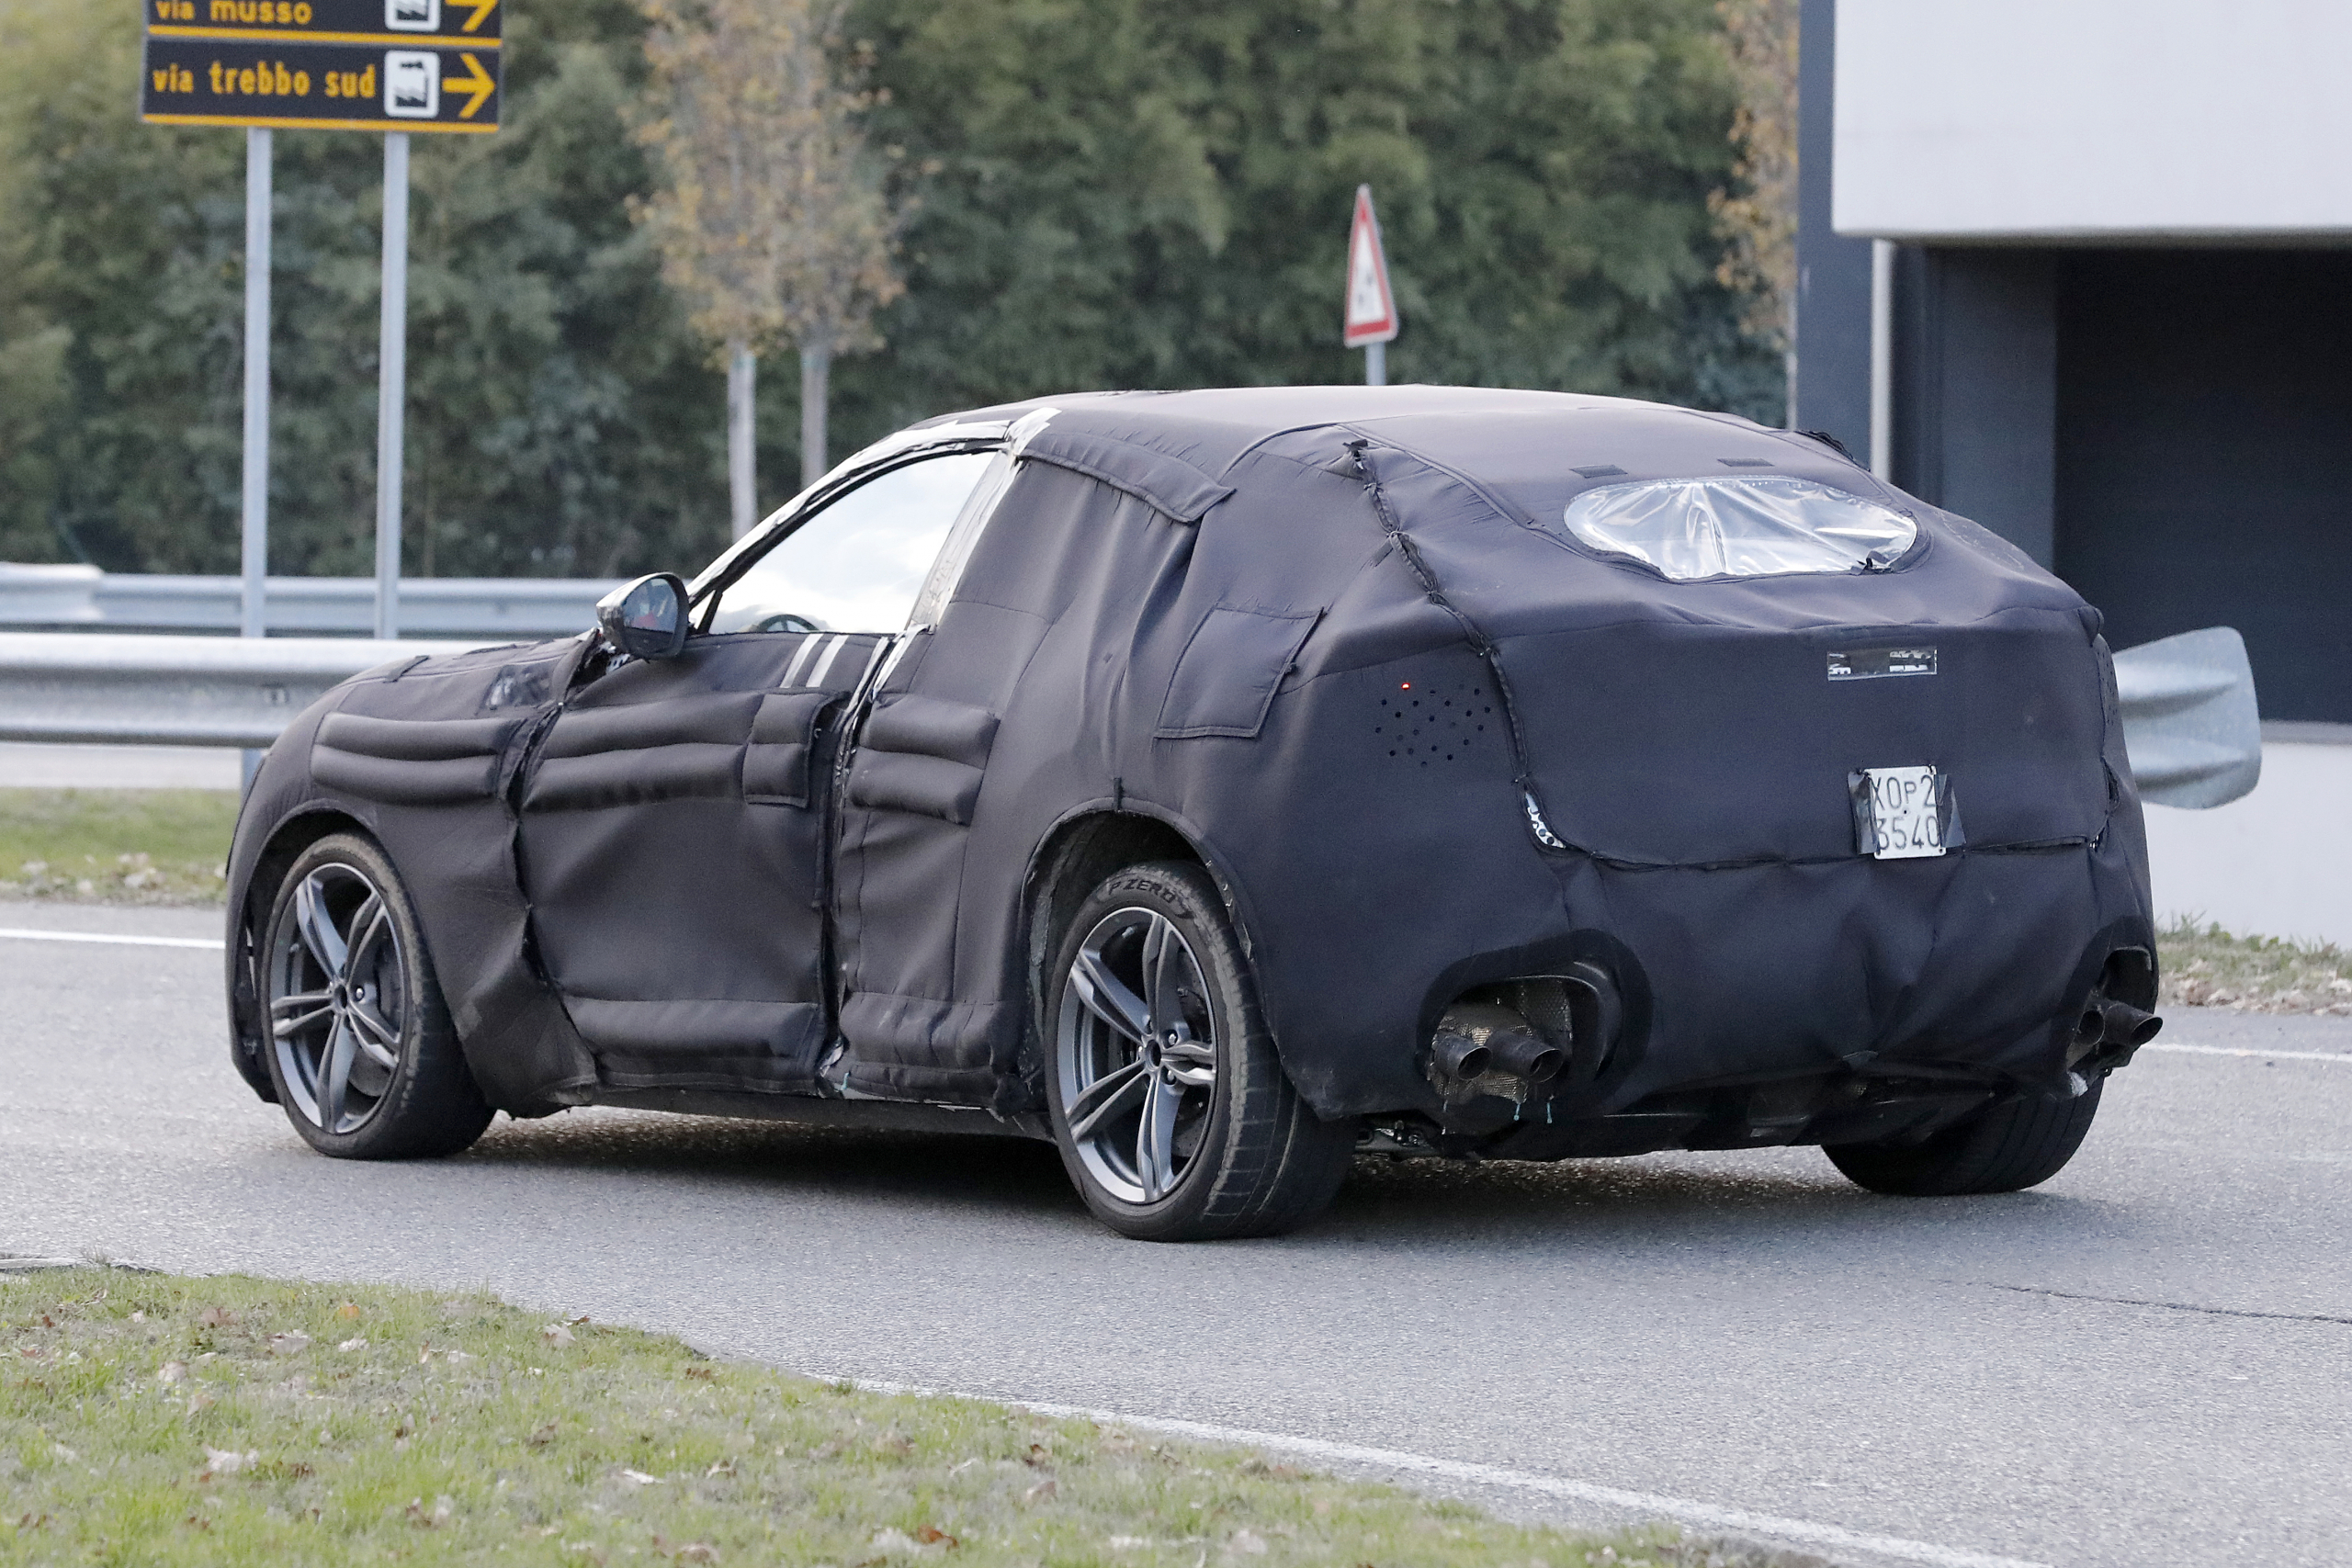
(1766, 525)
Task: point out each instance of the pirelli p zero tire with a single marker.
(1173, 1114)
(2006, 1149)
(359, 1042)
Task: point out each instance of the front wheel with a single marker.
(1172, 1112)
(360, 1046)
(2006, 1149)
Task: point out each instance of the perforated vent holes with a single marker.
(1437, 722)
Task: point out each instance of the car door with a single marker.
(675, 824)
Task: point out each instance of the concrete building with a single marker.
(2082, 270)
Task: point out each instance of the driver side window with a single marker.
(858, 564)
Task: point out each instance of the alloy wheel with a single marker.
(338, 1001)
(1136, 1053)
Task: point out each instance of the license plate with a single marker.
(1904, 816)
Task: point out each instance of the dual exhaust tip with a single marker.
(2105, 1023)
(1475, 1040)
(1531, 1038)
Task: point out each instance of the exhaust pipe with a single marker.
(1458, 1056)
(2123, 1024)
(1522, 1053)
(1487, 1048)
(2106, 1022)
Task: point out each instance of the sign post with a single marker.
(254, 551)
(1370, 323)
(385, 65)
(391, 386)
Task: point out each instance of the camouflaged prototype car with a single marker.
(1224, 783)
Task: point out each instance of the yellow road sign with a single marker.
(329, 21)
(425, 84)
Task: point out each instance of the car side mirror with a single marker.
(646, 619)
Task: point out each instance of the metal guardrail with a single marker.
(175, 690)
(84, 598)
(2189, 703)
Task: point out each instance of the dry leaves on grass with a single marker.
(575, 1441)
(928, 1541)
(2207, 966)
(444, 1509)
(134, 878)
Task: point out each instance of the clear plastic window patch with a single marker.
(1765, 525)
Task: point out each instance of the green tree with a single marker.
(1149, 193)
(1757, 215)
(1112, 193)
(771, 215)
(554, 392)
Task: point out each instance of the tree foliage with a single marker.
(770, 214)
(770, 220)
(1109, 193)
(1543, 168)
(558, 410)
(1759, 219)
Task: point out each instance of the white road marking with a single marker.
(2268, 1055)
(209, 943)
(1679, 1508)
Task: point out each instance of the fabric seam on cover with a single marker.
(1480, 644)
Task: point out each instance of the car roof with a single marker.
(1531, 448)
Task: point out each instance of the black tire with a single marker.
(385, 1003)
(1245, 1155)
(2006, 1149)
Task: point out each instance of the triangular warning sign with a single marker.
(1372, 308)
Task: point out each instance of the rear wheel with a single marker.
(361, 1048)
(2006, 1149)
(1172, 1112)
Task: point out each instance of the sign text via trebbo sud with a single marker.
(323, 64)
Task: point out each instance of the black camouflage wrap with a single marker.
(1339, 640)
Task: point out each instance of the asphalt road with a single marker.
(2149, 1360)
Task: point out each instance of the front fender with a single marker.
(456, 857)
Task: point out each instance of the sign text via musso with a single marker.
(323, 64)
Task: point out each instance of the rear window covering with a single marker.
(1169, 486)
(1765, 525)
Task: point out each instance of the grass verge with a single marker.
(153, 1419)
(120, 846)
(2204, 965)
